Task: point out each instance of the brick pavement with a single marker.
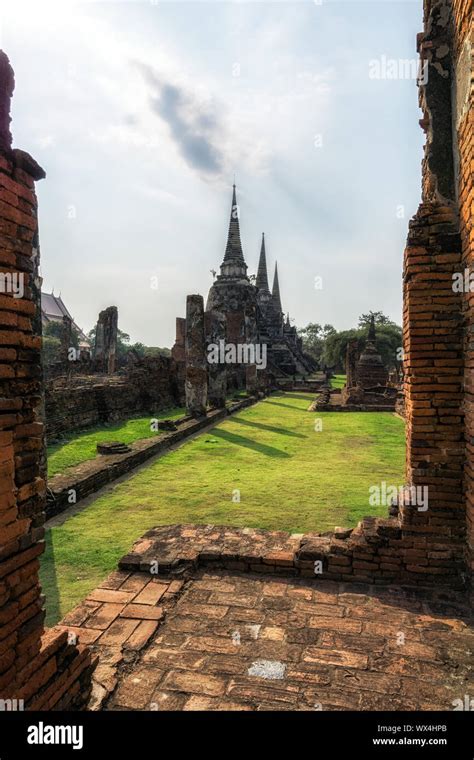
(220, 640)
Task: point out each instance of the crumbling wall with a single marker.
(37, 666)
(75, 403)
(463, 121)
(433, 313)
(105, 349)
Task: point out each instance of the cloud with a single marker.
(194, 126)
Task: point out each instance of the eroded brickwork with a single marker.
(37, 666)
(464, 123)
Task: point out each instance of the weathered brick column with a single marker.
(433, 320)
(463, 120)
(37, 666)
(105, 350)
(215, 329)
(178, 351)
(196, 357)
(352, 353)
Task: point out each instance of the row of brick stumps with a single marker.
(38, 666)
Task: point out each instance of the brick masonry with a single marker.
(377, 551)
(76, 402)
(36, 665)
(221, 640)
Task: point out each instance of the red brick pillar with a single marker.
(38, 667)
(433, 318)
(463, 120)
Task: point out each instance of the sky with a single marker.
(142, 113)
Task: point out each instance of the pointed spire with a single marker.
(371, 333)
(276, 291)
(234, 246)
(262, 276)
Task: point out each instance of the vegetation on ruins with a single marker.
(328, 346)
(52, 334)
(124, 346)
(287, 476)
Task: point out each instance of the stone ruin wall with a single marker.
(463, 52)
(436, 343)
(74, 403)
(37, 666)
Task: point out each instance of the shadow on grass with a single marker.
(304, 396)
(49, 581)
(288, 406)
(270, 428)
(247, 443)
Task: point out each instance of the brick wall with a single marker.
(77, 402)
(37, 666)
(464, 124)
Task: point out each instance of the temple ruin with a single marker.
(413, 547)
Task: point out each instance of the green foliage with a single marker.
(124, 346)
(55, 330)
(157, 351)
(328, 346)
(379, 318)
(290, 477)
(51, 349)
(314, 337)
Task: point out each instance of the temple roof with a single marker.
(53, 309)
(262, 276)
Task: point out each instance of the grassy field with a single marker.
(83, 445)
(290, 477)
(338, 381)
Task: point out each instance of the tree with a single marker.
(379, 318)
(314, 337)
(55, 330)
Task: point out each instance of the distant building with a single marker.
(53, 309)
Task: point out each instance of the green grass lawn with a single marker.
(82, 446)
(338, 381)
(290, 477)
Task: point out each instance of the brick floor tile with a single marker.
(108, 595)
(135, 582)
(142, 612)
(194, 683)
(115, 580)
(203, 610)
(136, 689)
(212, 644)
(119, 631)
(104, 615)
(170, 659)
(335, 657)
(141, 634)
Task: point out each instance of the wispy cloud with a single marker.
(194, 126)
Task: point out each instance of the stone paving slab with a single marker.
(226, 641)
